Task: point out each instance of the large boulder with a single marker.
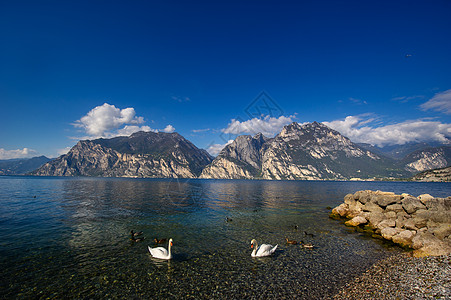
(426, 244)
(372, 207)
(404, 238)
(386, 223)
(356, 221)
(363, 196)
(438, 216)
(442, 231)
(424, 198)
(375, 218)
(411, 204)
(385, 198)
(388, 232)
(340, 210)
(395, 207)
(443, 204)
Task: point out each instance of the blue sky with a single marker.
(377, 71)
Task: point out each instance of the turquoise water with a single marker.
(69, 237)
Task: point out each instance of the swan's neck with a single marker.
(169, 249)
(254, 252)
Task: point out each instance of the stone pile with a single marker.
(420, 223)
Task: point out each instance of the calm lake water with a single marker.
(69, 237)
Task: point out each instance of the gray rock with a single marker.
(400, 221)
(419, 221)
(349, 198)
(375, 218)
(390, 215)
(404, 238)
(386, 223)
(384, 199)
(410, 224)
(439, 204)
(395, 207)
(362, 196)
(426, 244)
(411, 205)
(389, 232)
(341, 210)
(355, 208)
(438, 216)
(372, 207)
(442, 231)
(424, 198)
(356, 221)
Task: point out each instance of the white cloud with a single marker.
(18, 153)
(440, 102)
(396, 134)
(200, 130)
(269, 126)
(216, 148)
(169, 129)
(109, 121)
(103, 119)
(130, 129)
(63, 151)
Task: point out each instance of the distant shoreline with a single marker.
(247, 179)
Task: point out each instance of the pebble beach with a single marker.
(402, 277)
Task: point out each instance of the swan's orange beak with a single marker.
(252, 245)
(171, 244)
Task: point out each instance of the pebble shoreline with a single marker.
(402, 277)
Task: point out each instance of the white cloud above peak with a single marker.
(269, 126)
(102, 119)
(169, 129)
(109, 121)
(357, 129)
(215, 149)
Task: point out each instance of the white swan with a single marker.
(263, 250)
(160, 252)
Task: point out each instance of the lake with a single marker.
(69, 237)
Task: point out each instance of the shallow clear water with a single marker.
(69, 237)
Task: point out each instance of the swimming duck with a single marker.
(263, 250)
(228, 219)
(160, 252)
(292, 242)
(135, 239)
(306, 245)
(135, 234)
(159, 241)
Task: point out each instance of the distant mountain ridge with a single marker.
(21, 166)
(299, 152)
(143, 154)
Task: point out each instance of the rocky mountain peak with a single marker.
(142, 154)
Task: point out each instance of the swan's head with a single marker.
(253, 242)
(170, 242)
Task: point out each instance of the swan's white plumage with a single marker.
(262, 250)
(160, 252)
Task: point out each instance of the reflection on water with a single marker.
(69, 237)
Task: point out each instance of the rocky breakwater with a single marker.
(420, 223)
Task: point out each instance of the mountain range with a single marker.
(21, 166)
(299, 152)
(143, 154)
